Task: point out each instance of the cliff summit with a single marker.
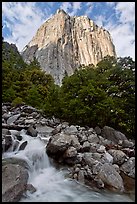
(64, 43)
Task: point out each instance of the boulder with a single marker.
(129, 152)
(99, 183)
(81, 176)
(44, 130)
(29, 121)
(6, 115)
(12, 119)
(70, 152)
(8, 142)
(101, 149)
(15, 160)
(30, 188)
(23, 145)
(82, 137)
(19, 137)
(14, 181)
(60, 142)
(118, 156)
(70, 130)
(15, 145)
(127, 143)
(93, 138)
(107, 158)
(5, 132)
(97, 130)
(96, 168)
(88, 159)
(129, 167)
(86, 146)
(15, 133)
(32, 131)
(116, 168)
(129, 183)
(110, 177)
(113, 135)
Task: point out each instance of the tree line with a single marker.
(93, 96)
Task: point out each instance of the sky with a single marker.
(21, 20)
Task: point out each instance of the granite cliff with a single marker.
(63, 43)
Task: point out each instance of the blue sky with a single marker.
(22, 19)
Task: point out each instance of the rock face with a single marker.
(14, 180)
(63, 43)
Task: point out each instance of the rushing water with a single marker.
(50, 183)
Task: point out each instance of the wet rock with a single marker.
(19, 137)
(8, 142)
(129, 167)
(89, 174)
(75, 176)
(81, 176)
(129, 182)
(111, 177)
(16, 144)
(99, 183)
(30, 188)
(23, 145)
(17, 161)
(15, 133)
(14, 180)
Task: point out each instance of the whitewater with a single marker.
(51, 184)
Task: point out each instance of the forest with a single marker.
(93, 96)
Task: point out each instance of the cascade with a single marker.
(50, 183)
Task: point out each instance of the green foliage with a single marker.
(17, 101)
(23, 82)
(101, 95)
(104, 95)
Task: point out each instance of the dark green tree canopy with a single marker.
(94, 95)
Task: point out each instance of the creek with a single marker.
(51, 184)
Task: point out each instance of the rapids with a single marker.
(51, 184)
